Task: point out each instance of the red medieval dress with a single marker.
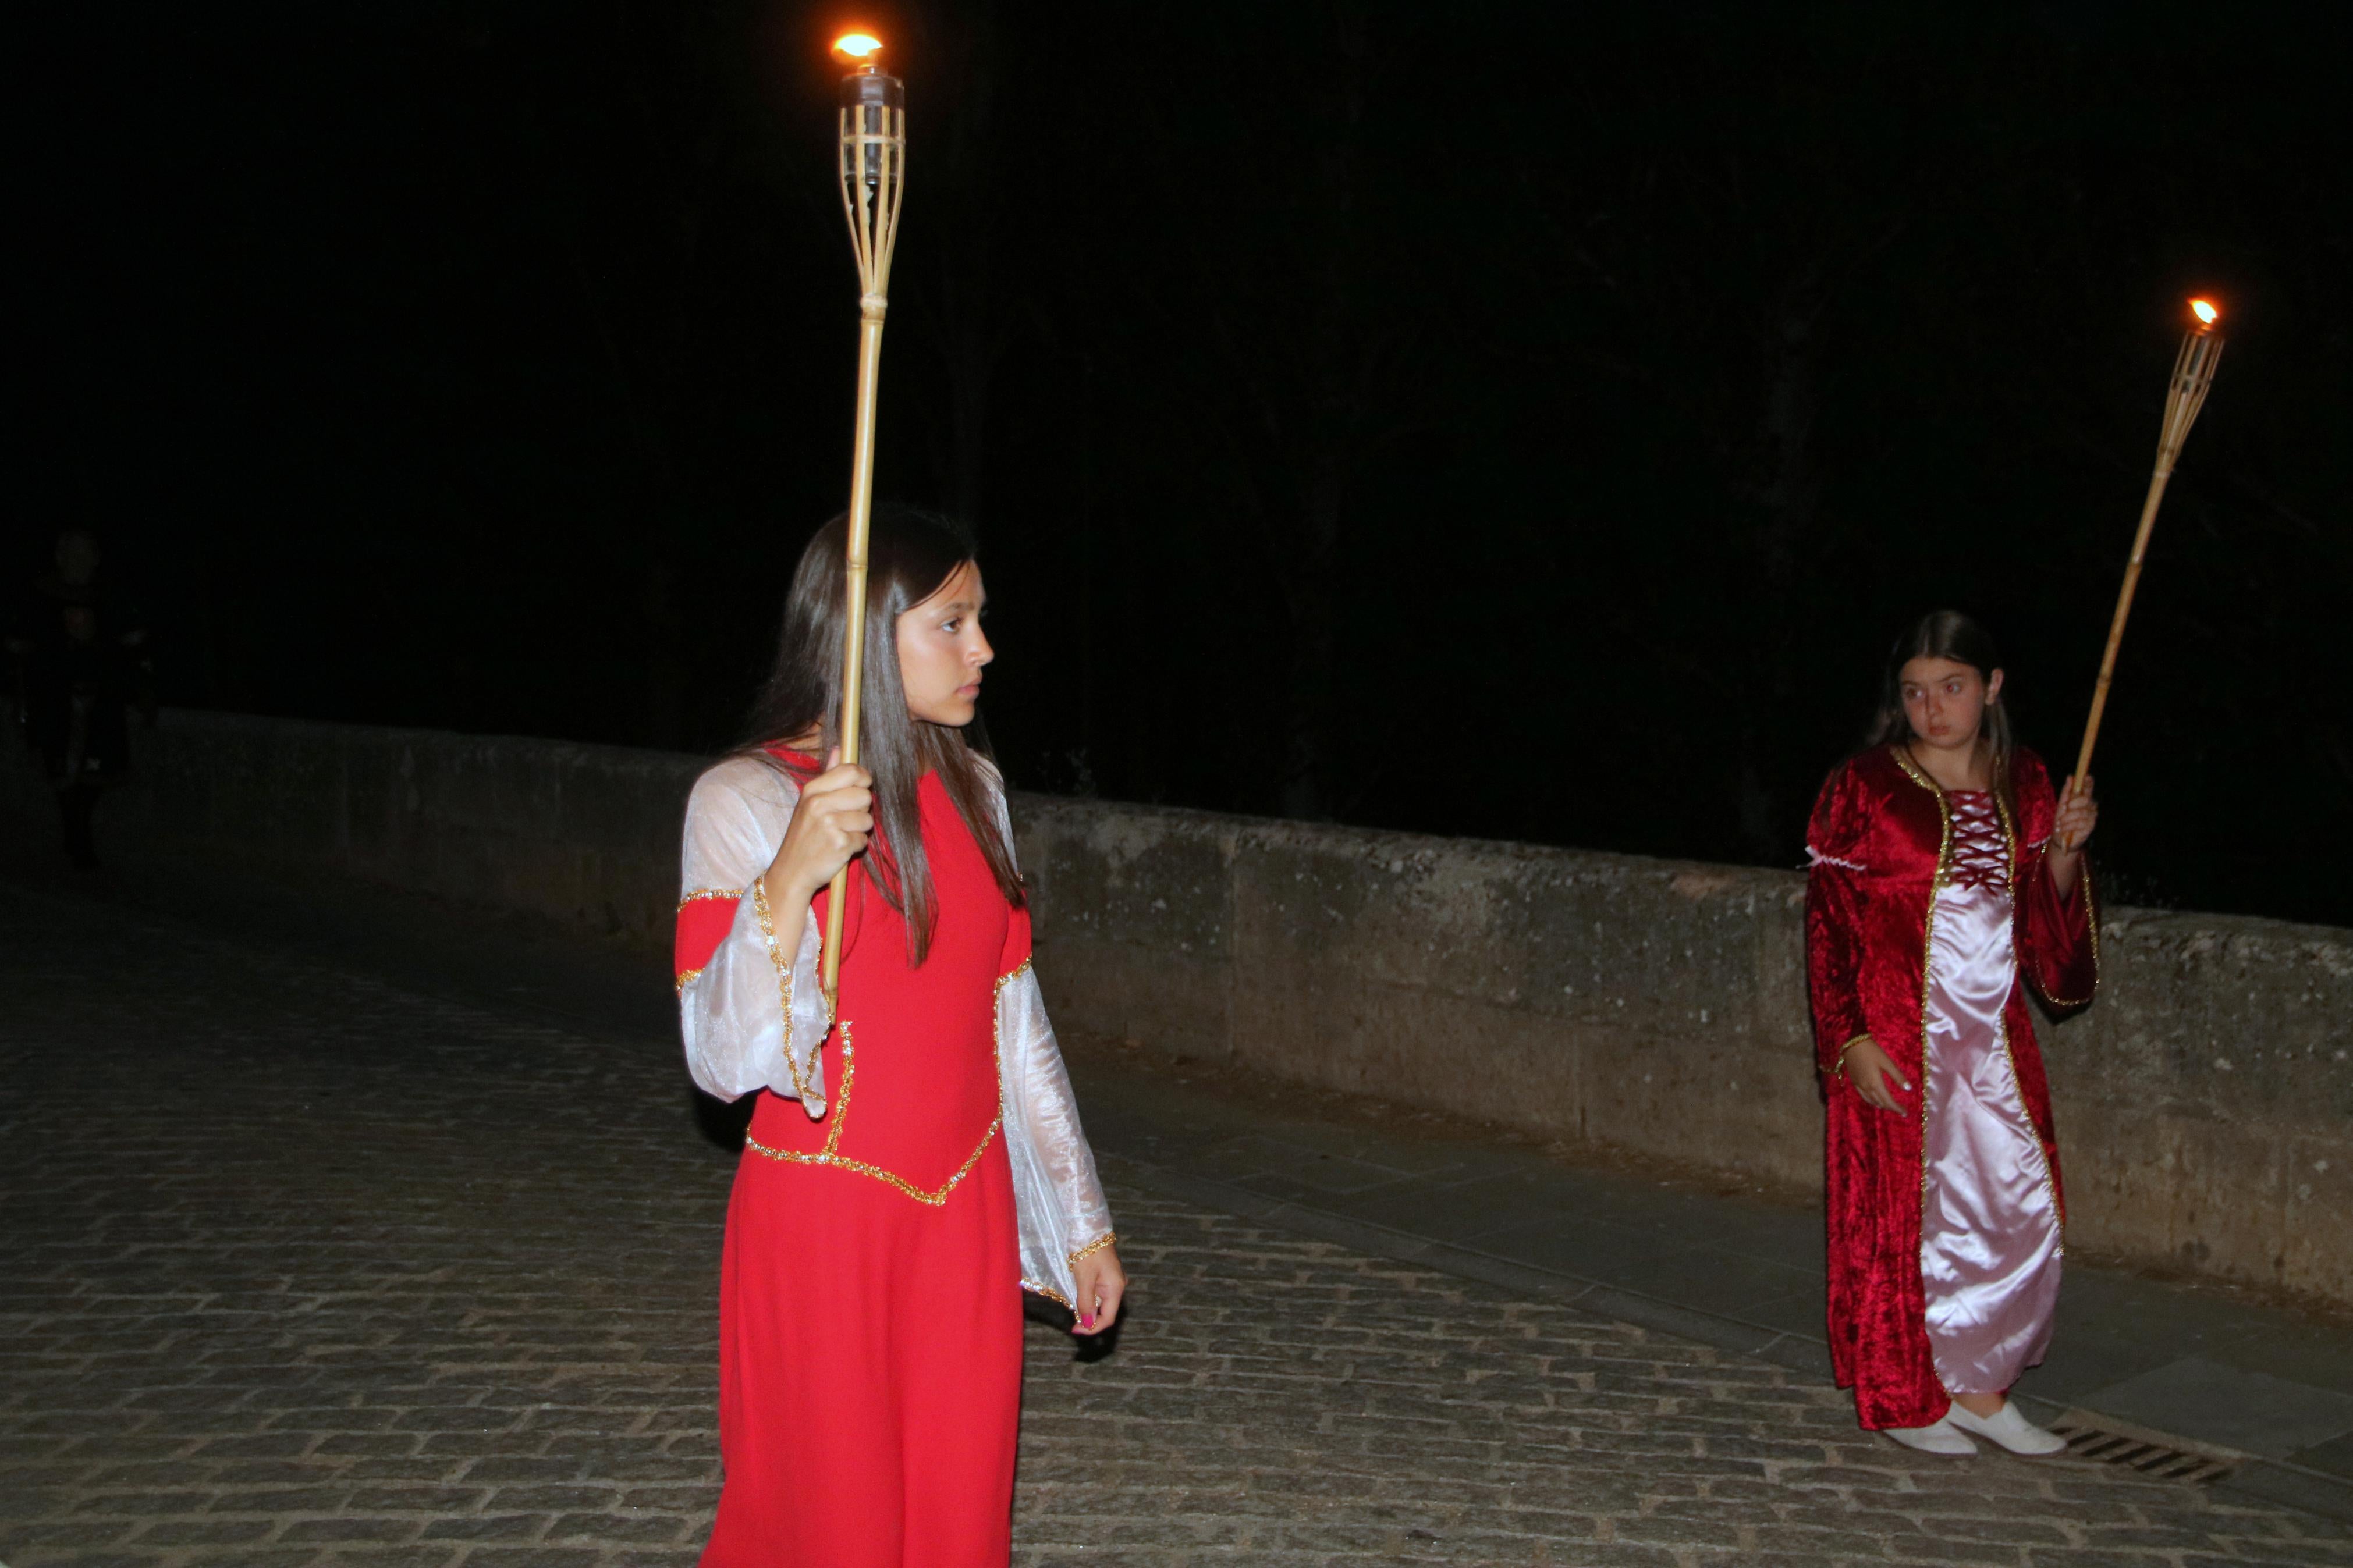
(1929, 913)
(869, 1317)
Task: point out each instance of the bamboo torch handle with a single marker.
(853, 652)
(2193, 374)
(832, 980)
(2124, 610)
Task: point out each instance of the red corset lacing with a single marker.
(1981, 849)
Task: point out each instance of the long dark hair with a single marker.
(1946, 634)
(910, 554)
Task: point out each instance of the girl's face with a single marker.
(942, 650)
(1946, 700)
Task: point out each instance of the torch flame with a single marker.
(2207, 313)
(858, 46)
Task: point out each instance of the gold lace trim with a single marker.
(2091, 914)
(1928, 945)
(1091, 1249)
(687, 979)
(785, 991)
(2091, 910)
(827, 1155)
(696, 895)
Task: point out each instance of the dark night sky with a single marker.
(1522, 421)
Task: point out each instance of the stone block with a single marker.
(1150, 879)
(1708, 1095)
(2316, 1235)
(1460, 1055)
(1121, 991)
(2198, 1194)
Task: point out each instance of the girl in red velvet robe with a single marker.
(914, 1162)
(1947, 878)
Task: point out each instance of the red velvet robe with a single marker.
(1880, 842)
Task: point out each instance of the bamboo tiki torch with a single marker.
(2193, 372)
(873, 175)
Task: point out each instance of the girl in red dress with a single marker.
(913, 1164)
(1947, 878)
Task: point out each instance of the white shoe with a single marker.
(2008, 1429)
(1939, 1438)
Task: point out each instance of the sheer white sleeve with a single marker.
(752, 1017)
(1059, 1197)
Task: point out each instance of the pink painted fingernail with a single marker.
(1088, 1324)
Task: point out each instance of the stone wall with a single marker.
(2205, 1104)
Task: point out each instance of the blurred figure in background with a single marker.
(78, 663)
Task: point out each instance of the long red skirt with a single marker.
(869, 1370)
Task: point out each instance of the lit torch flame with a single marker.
(2207, 313)
(859, 48)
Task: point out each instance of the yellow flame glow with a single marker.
(2206, 311)
(858, 46)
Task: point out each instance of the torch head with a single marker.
(874, 102)
(873, 160)
(2206, 314)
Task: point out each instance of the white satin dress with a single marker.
(1990, 1231)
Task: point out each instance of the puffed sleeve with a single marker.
(1063, 1214)
(750, 1009)
(2058, 939)
(1837, 840)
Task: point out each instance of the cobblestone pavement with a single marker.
(303, 1267)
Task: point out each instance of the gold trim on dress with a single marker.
(785, 991)
(996, 1036)
(996, 1027)
(2091, 914)
(688, 978)
(2010, 845)
(1919, 775)
(826, 1155)
(696, 895)
(2029, 968)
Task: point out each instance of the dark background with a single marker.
(1527, 421)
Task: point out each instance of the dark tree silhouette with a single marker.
(1539, 437)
